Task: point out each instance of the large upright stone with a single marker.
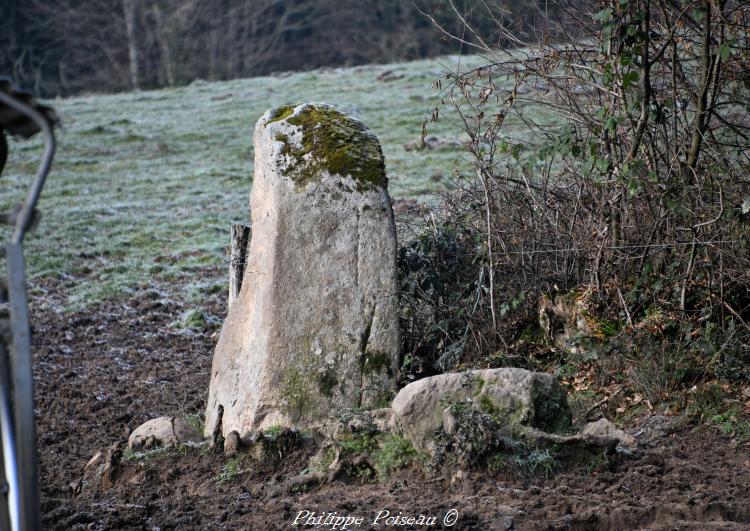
(315, 326)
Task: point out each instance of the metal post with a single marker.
(8, 466)
(19, 468)
(22, 382)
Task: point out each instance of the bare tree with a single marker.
(70, 45)
(129, 8)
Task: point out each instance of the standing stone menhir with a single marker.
(315, 326)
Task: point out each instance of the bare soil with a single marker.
(103, 371)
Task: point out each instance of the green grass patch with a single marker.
(230, 471)
(733, 423)
(196, 421)
(180, 450)
(358, 443)
(273, 432)
(394, 453)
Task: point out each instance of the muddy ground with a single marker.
(103, 371)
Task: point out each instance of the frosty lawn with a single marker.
(146, 185)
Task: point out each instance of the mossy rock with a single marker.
(317, 139)
(507, 397)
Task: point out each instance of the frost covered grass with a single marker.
(145, 185)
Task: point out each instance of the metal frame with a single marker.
(17, 425)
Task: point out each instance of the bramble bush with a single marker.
(611, 156)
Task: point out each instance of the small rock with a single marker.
(604, 428)
(153, 433)
(162, 432)
(458, 477)
(232, 444)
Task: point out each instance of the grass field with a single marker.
(145, 185)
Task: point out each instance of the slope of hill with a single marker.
(146, 184)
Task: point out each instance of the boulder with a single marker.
(508, 396)
(314, 328)
(162, 432)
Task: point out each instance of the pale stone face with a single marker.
(511, 396)
(162, 432)
(315, 326)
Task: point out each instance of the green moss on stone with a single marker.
(487, 405)
(285, 111)
(296, 393)
(327, 381)
(334, 143)
(479, 385)
(552, 413)
(286, 148)
(376, 362)
(507, 413)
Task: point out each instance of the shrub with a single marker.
(610, 158)
(395, 452)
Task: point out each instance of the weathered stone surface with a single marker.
(510, 396)
(314, 328)
(232, 444)
(162, 431)
(355, 421)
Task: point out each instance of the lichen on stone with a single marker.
(334, 143)
(552, 412)
(487, 405)
(296, 393)
(327, 381)
(376, 362)
(285, 111)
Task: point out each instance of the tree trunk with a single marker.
(164, 51)
(129, 8)
(213, 55)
